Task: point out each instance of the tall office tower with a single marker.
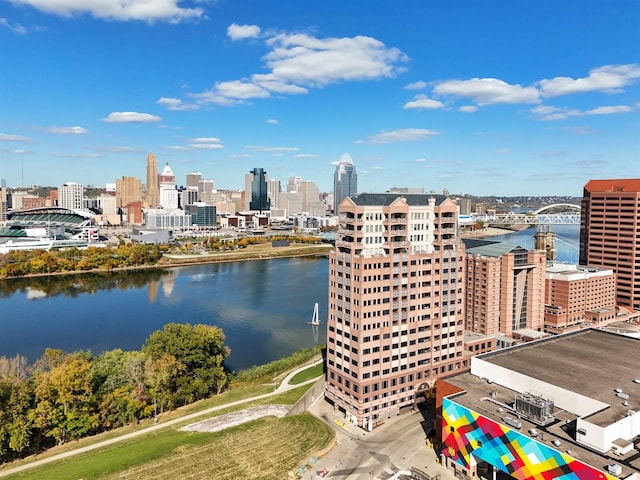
(274, 190)
(153, 191)
(345, 181)
(167, 185)
(311, 202)
(193, 179)
(70, 195)
(609, 234)
(258, 192)
(396, 303)
(128, 190)
(504, 289)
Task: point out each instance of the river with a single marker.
(262, 306)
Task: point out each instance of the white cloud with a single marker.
(206, 140)
(15, 27)
(261, 148)
(424, 103)
(419, 85)
(131, 117)
(144, 10)
(310, 61)
(74, 155)
(238, 32)
(307, 155)
(240, 155)
(68, 130)
(4, 137)
(272, 121)
(547, 112)
(468, 108)
(176, 104)
(206, 146)
(179, 148)
(420, 160)
(487, 91)
(503, 151)
(297, 62)
(608, 78)
(277, 154)
(608, 110)
(402, 135)
(240, 90)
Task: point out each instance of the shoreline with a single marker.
(185, 260)
(487, 232)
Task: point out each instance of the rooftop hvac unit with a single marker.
(614, 469)
(535, 408)
(512, 422)
(622, 395)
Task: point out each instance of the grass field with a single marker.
(311, 372)
(267, 449)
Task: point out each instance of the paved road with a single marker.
(396, 446)
(282, 387)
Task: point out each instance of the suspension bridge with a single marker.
(571, 216)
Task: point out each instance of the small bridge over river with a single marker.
(570, 216)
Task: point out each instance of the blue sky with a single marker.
(498, 97)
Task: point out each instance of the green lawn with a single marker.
(311, 372)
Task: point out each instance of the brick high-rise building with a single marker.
(504, 288)
(396, 309)
(610, 234)
(128, 190)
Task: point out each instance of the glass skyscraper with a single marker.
(259, 191)
(345, 181)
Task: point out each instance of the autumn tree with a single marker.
(187, 361)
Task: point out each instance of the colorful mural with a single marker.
(465, 432)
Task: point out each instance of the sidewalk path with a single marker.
(283, 387)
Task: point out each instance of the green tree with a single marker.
(65, 404)
(199, 352)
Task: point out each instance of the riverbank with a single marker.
(489, 232)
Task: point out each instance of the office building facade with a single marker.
(71, 195)
(258, 192)
(152, 196)
(610, 234)
(128, 190)
(396, 311)
(345, 181)
(504, 288)
(578, 297)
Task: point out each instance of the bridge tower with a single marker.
(546, 240)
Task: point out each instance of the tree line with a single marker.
(30, 262)
(65, 396)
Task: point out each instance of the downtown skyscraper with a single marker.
(345, 181)
(152, 196)
(256, 190)
(610, 234)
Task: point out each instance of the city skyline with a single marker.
(500, 97)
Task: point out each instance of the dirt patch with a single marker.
(233, 419)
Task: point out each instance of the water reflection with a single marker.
(262, 306)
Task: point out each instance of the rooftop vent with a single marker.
(622, 395)
(636, 380)
(617, 390)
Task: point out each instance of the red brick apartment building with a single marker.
(610, 234)
(396, 308)
(504, 289)
(577, 296)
